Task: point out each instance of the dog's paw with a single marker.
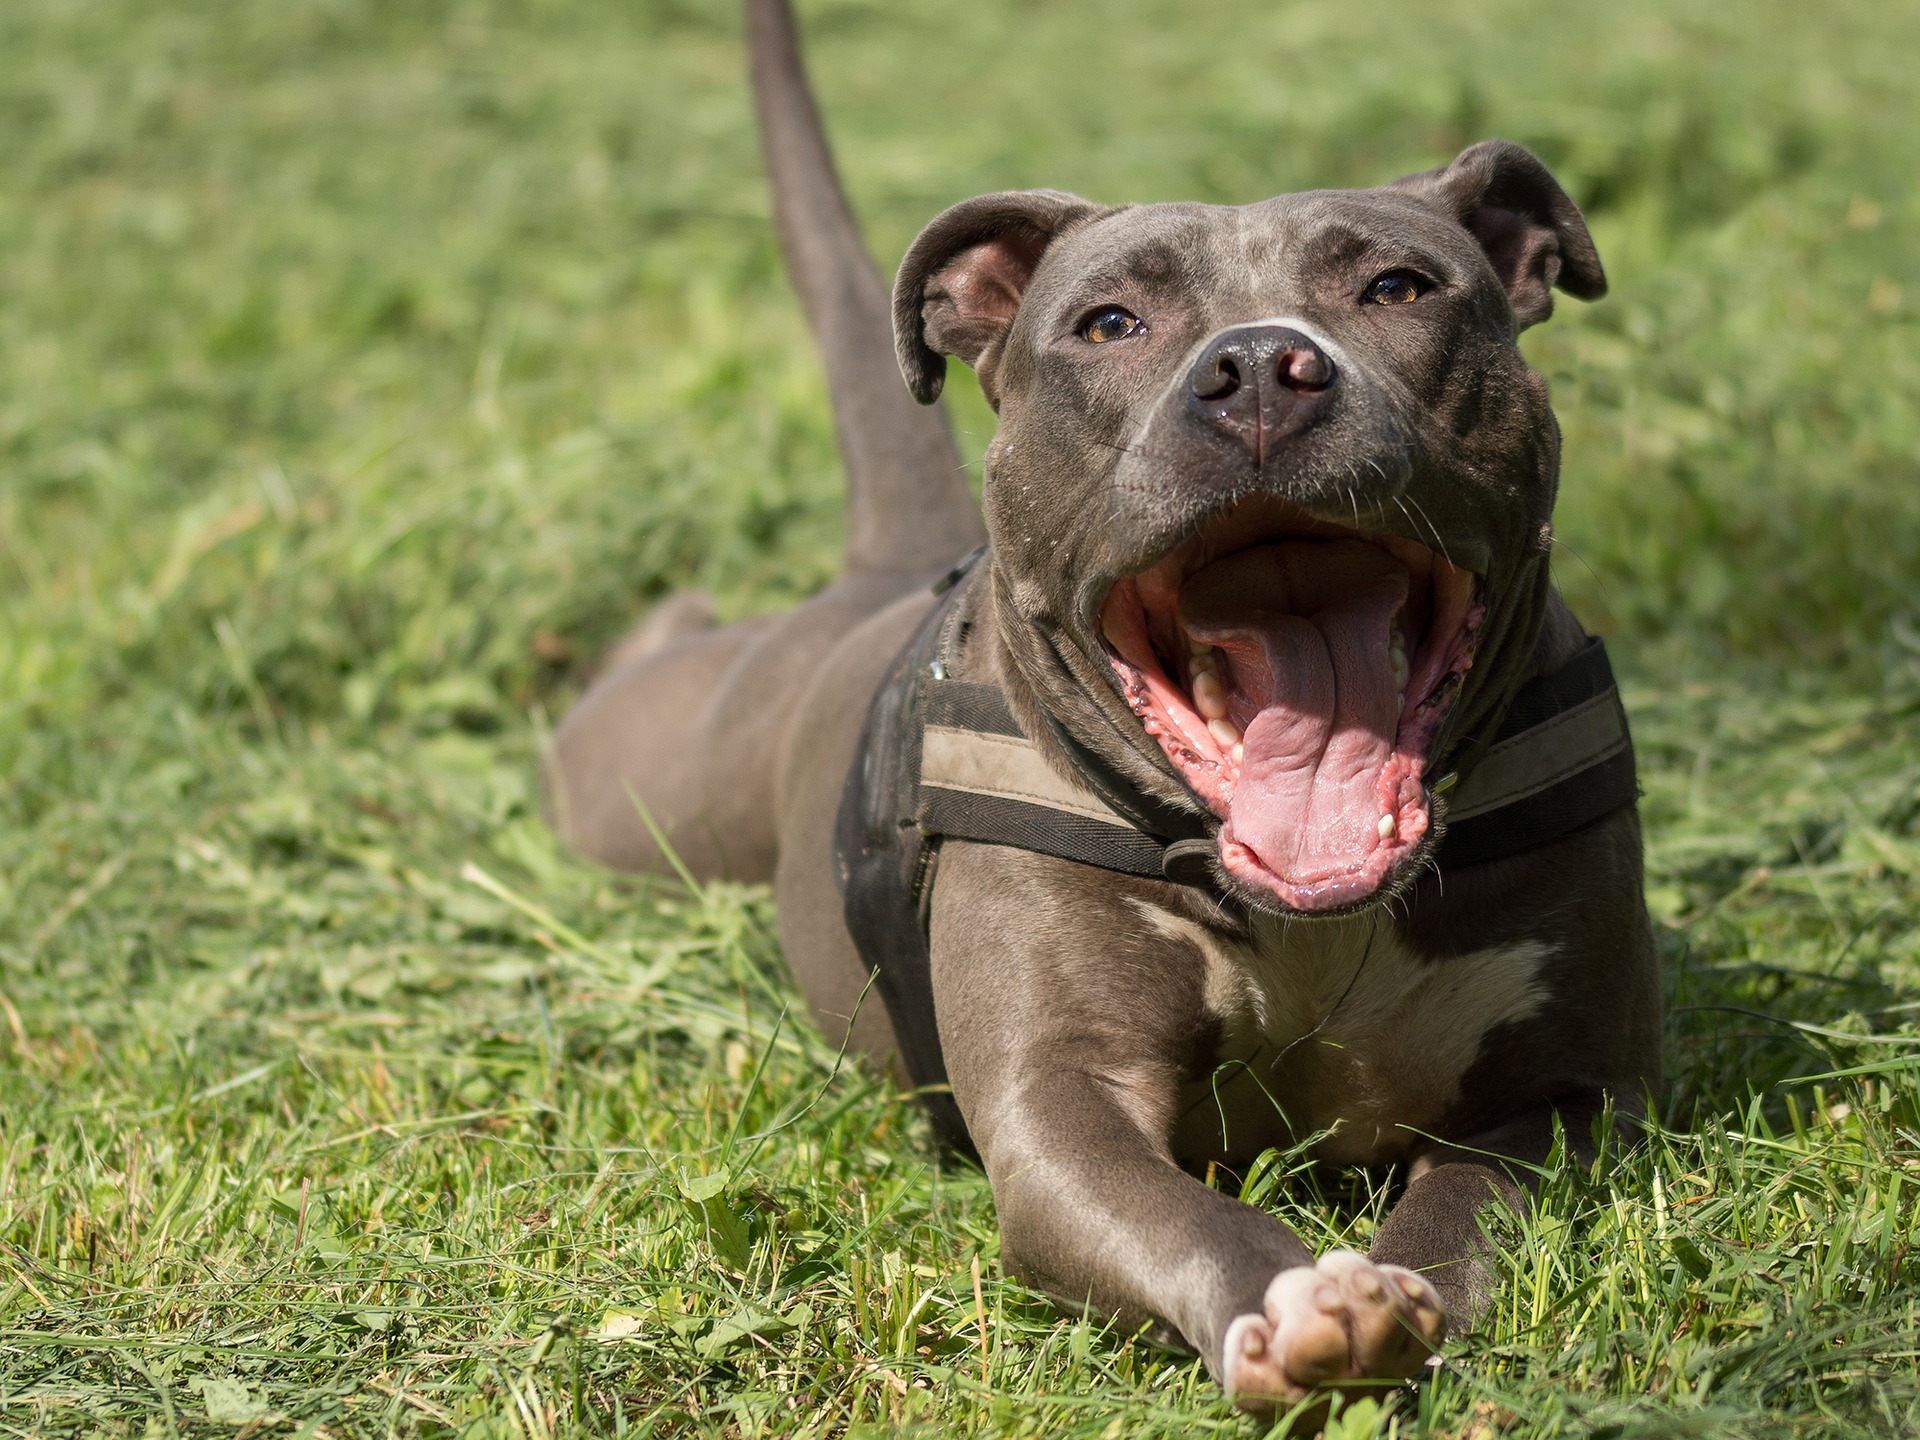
(1332, 1325)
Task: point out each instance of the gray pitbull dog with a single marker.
(1269, 519)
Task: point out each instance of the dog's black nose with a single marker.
(1259, 383)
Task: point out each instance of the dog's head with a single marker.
(1270, 492)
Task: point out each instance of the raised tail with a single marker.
(908, 505)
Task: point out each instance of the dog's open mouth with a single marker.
(1296, 674)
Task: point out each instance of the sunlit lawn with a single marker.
(364, 369)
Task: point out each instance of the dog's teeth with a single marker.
(1209, 695)
(1225, 734)
(1386, 827)
(1397, 653)
(1239, 754)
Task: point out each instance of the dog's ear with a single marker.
(962, 280)
(1534, 235)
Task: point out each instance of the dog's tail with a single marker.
(908, 505)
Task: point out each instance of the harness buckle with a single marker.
(1188, 862)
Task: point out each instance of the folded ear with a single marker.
(1535, 236)
(962, 280)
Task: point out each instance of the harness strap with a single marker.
(1561, 759)
(881, 858)
(981, 779)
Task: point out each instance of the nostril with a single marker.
(1304, 367)
(1224, 380)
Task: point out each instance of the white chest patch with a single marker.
(1337, 1029)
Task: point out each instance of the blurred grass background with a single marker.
(365, 369)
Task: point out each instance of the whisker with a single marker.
(1599, 580)
(1406, 514)
(1438, 543)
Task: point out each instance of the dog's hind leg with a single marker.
(681, 616)
(683, 738)
(646, 755)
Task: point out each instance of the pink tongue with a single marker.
(1306, 625)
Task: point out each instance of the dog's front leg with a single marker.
(1094, 1210)
(1067, 1026)
(1436, 1227)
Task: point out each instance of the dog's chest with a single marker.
(1342, 1031)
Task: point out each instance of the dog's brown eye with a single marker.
(1396, 287)
(1110, 322)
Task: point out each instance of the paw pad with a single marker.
(1338, 1323)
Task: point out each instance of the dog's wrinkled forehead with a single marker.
(1223, 265)
(1494, 227)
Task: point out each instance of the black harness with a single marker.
(941, 757)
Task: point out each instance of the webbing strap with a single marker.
(981, 779)
(1562, 759)
(880, 859)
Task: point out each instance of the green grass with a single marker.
(365, 368)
